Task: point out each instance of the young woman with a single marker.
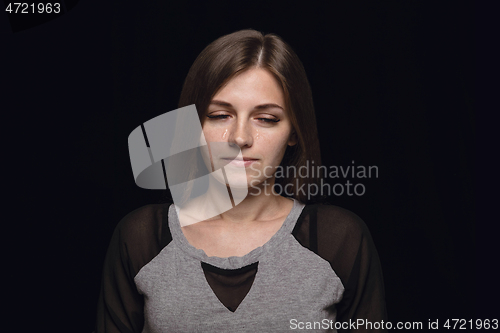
(268, 264)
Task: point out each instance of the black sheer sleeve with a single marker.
(137, 239)
(343, 239)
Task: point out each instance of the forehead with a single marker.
(254, 85)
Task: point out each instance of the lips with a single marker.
(239, 158)
(241, 162)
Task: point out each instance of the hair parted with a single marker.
(232, 54)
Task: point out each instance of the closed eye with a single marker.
(225, 116)
(218, 116)
(269, 120)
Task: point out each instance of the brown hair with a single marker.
(231, 54)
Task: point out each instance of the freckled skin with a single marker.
(245, 124)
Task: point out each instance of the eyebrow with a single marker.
(258, 107)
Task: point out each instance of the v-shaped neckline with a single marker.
(230, 287)
(233, 262)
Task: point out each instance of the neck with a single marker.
(260, 204)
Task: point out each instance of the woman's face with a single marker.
(249, 113)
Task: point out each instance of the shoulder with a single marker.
(143, 224)
(139, 237)
(332, 232)
(337, 235)
(335, 220)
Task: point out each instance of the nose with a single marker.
(241, 134)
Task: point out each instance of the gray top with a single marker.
(291, 283)
(318, 270)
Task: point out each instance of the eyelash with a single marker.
(224, 116)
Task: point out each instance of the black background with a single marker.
(393, 86)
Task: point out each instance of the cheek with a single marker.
(215, 134)
(274, 146)
(208, 133)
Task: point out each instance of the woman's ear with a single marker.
(292, 140)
